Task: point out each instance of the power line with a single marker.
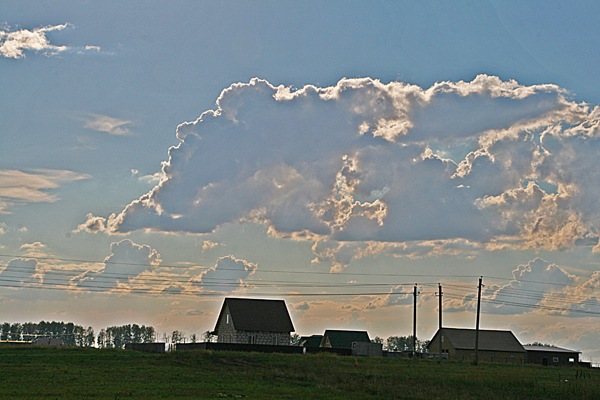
(234, 269)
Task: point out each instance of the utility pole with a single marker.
(415, 294)
(440, 309)
(477, 323)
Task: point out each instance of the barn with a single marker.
(495, 346)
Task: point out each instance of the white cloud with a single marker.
(19, 187)
(364, 162)
(110, 125)
(13, 44)
(34, 249)
(209, 244)
(92, 224)
(400, 295)
(123, 268)
(226, 276)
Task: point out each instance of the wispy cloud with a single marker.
(13, 44)
(110, 125)
(23, 187)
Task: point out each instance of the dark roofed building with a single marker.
(48, 342)
(343, 339)
(311, 341)
(254, 321)
(494, 346)
(550, 355)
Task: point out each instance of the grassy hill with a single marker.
(62, 373)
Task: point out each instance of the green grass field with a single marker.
(64, 373)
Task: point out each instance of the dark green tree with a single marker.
(5, 331)
(16, 330)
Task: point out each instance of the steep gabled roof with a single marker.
(257, 315)
(343, 339)
(489, 340)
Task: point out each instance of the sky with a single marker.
(155, 159)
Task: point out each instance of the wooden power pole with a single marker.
(477, 322)
(415, 294)
(440, 309)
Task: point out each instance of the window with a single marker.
(442, 339)
(275, 341)
(555, 359)
(227, 322)
(571, 360)
(252, 338)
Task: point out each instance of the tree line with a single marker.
(402, 343)
(69, 333)
(119, 336)
(76, 335)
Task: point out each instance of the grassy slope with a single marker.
(33, 373)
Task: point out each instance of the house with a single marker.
(311, 341)
(494, 346)
(254, 321)
(550, 355)
(343, 339)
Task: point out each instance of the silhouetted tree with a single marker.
(294, 339)
(102, 339)
(148, 334)
(5, 331)
(88, 337)
(209, 336)
(16, 330)
(377, 339)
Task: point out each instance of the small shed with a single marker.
(367, 349)
(311, 341)
(48, 342)
(254, 321)
(339, 339)
(495, 346)
(550, 355)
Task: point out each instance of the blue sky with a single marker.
(155, 159)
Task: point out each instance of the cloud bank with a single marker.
(126, 263)
(21, 272)
(364, 165)
(540, 287)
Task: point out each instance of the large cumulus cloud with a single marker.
(226, 276)
(490, 163)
